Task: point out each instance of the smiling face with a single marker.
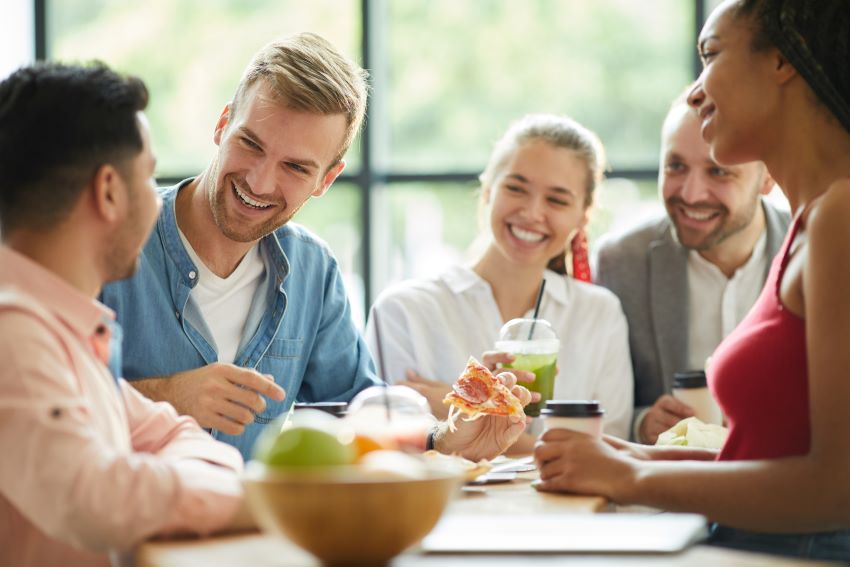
(732, 95)
(271, 160)
(536, 202)
(706, 202)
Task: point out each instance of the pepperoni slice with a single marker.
(474, 391)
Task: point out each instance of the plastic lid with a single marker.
(401, 400)
(528, 336)
(689, 379)
(572, 408)
(334, 408)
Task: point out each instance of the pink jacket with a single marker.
(87, 464)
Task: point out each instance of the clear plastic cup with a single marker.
(405, 426)
(535, 347)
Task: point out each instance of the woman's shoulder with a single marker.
(590, 296)
(419, 290)
(829, 212)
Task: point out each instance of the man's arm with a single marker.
(666, 412)
(340, 364)
(219, 396)
(85, 483)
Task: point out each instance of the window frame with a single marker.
(370, 178)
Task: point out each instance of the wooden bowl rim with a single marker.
(257, 472)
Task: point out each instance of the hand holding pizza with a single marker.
(493, 415)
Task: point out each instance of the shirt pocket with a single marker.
(283, 360)
(285, 349)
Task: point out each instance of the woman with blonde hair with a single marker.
(536, 190)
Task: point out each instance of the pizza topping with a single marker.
(478, 393)
(473, 391)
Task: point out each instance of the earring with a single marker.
(580, 259)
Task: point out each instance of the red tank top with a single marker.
(760, 378)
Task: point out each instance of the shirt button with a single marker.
(177, 313)
(192, 275)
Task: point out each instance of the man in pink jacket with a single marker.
(88, 465)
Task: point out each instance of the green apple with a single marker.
(306, 446)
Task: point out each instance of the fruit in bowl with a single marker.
(302, 446)
(349, 515)
(343, 508)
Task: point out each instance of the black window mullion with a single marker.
(40, 22)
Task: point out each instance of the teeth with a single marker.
(700, 216)
(526, 235)
(248, 200)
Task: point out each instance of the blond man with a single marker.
(235, 312)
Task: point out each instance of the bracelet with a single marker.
(429, 441)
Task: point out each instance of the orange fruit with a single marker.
(365, 444)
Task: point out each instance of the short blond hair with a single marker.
(307, 73)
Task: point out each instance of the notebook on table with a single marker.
(566, 533)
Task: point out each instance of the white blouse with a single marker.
(433, 325)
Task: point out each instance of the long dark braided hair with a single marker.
(814, 35)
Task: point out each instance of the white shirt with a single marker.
(433, 326)
(717, 303)
(225, 302)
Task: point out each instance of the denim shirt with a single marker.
(299, 328)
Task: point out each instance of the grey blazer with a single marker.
(647, 269)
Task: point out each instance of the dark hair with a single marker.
(814, 35)
(59, 124)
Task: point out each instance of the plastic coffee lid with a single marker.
(572, 408)
(334, 408)
(689, 379)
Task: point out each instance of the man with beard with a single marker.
(687, 279)
(236, 313)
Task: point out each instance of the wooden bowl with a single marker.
(344, 517)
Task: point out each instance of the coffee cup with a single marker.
(691, 388)
(577, 415)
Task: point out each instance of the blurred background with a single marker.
(448, 76)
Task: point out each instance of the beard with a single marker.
(242, 232)
(729, 225)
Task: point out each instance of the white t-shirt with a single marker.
(225, 302)
(717, 303)
(434, 325)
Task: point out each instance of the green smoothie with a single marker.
(544, 368)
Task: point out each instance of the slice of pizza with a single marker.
(477, 393)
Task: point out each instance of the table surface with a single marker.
(266, 550)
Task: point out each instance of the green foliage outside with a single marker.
(448, 77)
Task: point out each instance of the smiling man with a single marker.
(687, 279)
(236, 313)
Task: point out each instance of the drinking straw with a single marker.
(536, 307)
(380, 357)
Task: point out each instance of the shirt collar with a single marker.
(278, 265)
(84, 315)
(755, 261)
(462, 278)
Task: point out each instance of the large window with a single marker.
(447, 77)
